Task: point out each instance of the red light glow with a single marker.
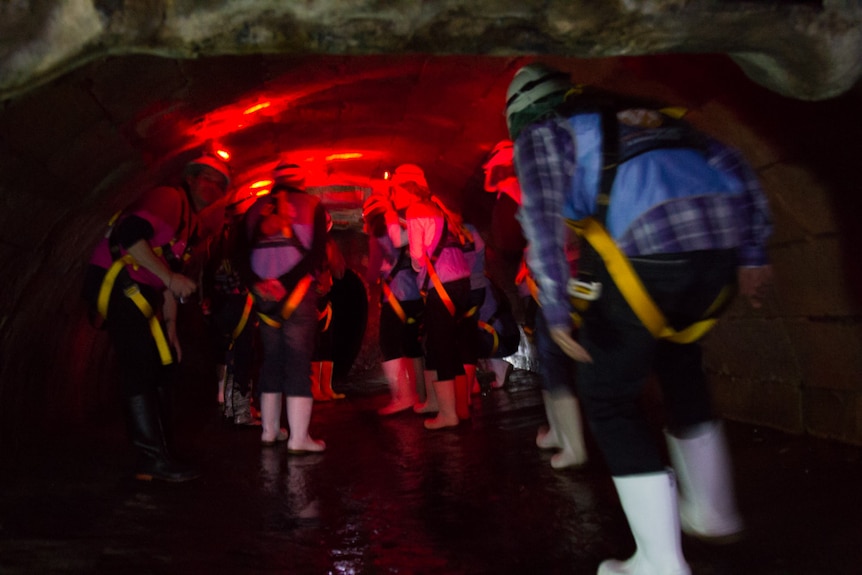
(257, 108)
(344, 156)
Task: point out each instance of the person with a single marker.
(564, 433)
(286, 235)
(322, 363)
(473, 247)
(443, 275)
(497, 334)
(401, 304)
(133, 282)
(685, 215)
(228, 307)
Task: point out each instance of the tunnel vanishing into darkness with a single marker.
(81, 141)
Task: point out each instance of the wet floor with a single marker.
(390, 497)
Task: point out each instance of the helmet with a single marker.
(212, 162)
(289, 173)
(374, 205)
(409, 173)
(500, 155)
(532, 83)
(499, 166)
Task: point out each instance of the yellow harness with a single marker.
(395, 304)
(133, 292)
(290, 303)
(490, 329)
(438, 285)
(632, 289)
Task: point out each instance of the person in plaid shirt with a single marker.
(687, 213)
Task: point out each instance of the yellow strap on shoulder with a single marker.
(133, 292)
(243, 320)
(629, 284)
(438, 285)
(490, 329)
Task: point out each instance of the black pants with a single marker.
(625, 354)
(141, 369)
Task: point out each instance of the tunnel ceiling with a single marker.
(312, 79)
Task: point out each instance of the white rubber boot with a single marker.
(430, 404)
(446, 415)
(270, 419)
(416, 375)
(502, 369)
(396, 379)
(649, 502)
(300, 441)
(570, 430)
(707, 504)
(547, 436)
(221, 371)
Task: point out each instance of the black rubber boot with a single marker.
(148, 436)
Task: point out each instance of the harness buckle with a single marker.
(585, 290)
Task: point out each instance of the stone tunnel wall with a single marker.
(794, 365)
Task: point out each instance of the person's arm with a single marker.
(544, 158)
(169, 316)
(754, 275)
(178, 284)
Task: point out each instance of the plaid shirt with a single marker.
(545, 159)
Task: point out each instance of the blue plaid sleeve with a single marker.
(544, 161)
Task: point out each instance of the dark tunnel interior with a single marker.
(86, 144)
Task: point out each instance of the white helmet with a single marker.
(499, 166)
(409, 173)
(212, 162)
(532, 83)
(290, 174)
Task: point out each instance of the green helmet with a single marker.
(534, 90)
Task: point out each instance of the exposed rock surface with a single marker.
(804, 49)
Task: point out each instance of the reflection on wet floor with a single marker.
(390, 497)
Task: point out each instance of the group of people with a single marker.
(637, 226)
(439, 311)
(271, 273)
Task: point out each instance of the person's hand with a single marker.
(562, 336)
(181, 286)
(753, 283)
(269, 290)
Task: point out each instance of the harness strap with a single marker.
(108, 284)
(490, 329)
(291, 302)
(243, 320)
(632, 289)
(325, 314)
(438, 285)
(395, 304)
(524, 275)
(133, 292)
